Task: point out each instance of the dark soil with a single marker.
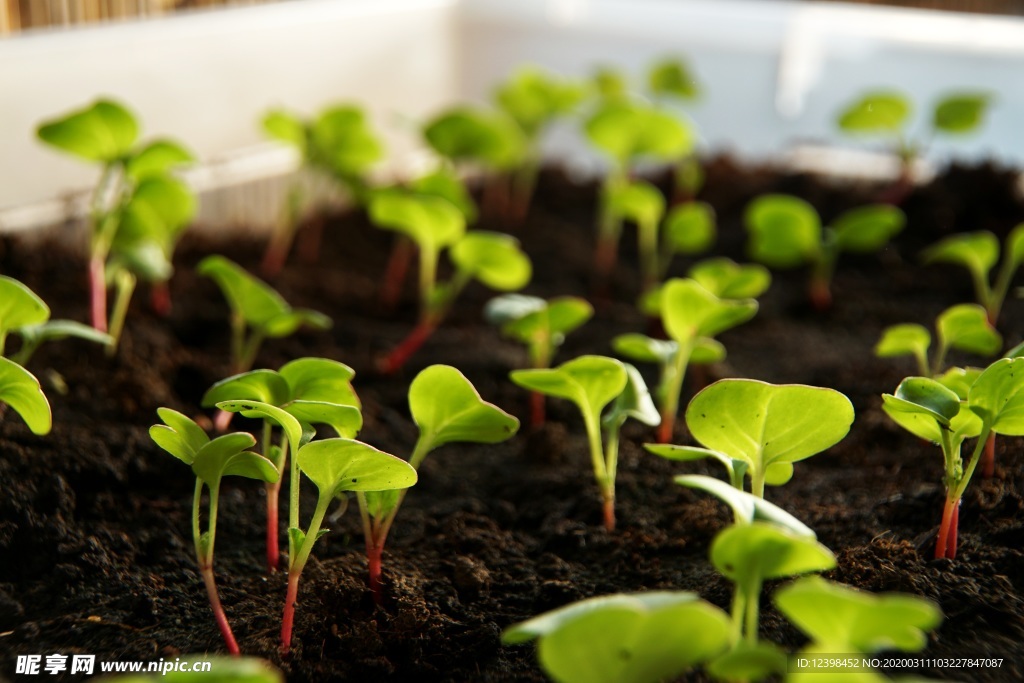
(95, 545)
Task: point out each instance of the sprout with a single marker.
(313, 391)
(746, 507)
(337, 146)
(641, 203)
(20, 390)
(692, 316)
(593, 382)
(786, 232)
(211, 461)
(257, 311)
(446, 408)
(670, 78)
(137, 209)
(978, 252)
(625, 638)
(26, 315)
(540, 325)
(964, 327)
(434, 224)
(721, 276)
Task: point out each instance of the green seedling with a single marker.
(786, 232)
(759, 430)
(338, 148)
(964, 327)
(592, 383)
(313, 391)
(884, 115)
(534, 99)
(994, 404)
(257, 311)
(211, 461)
(625, 638)
(978, 252)
(20, 390)
(692, 316)
(447, 409)
(670, 80)
(626, 133)
(137, 209)
(23, 313)
(435, 224)
(721, 276)
(540, 325)
(746, 507)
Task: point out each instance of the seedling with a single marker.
(540, 325)
(746, 507)
(669, 80)
(211, 461)
(434, 224)
(978, 252)
(931, 411)
(20, 390)
(964, 327)
(721, 276)
(446, 408)
(337, 147)
(26, 315)
(625, 638)
(257, 311)
(592, 382)
(628, 132)
(137, 209)
(313, 391)
(692, 316)
(786, 232)
(534, 99)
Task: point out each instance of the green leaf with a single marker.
(21, 391)
(54, 330)
(707, 351)
(19, 307)
(158, 158)
(265, 386)
(689, 311)
(961, 113)
(727, 279)
(226, 455)
(285, 127)
(446, 408)
(343, 141)
(867, 228)
(975, 251)
(179, 435)
(690, 228)
(960, 380)
(762, 424)
(629, 131)
(534, 98)
(431, 221)
(644, 349)
(689, 454)
(287, 323)
(443, 182)
(468, 134)
(493, 258)
(533, 320)
(849, 620)
(907, 339)
(1014, 247)
(346, 420)
(751, 553)
(380, 503)
(159, 209)
(641, 638)
(637, 201)
(291, 426)
(672, 78)
(104, 131)
(750, 662)
(922, 406)
(784, 231)
(610, 83)
(880, 112)
(591, 382)
(507, 308)
(634, 402)
(320, 379)
(997, 396)
(248, 296)
(746, 508)
(966, 327)
(337, 465)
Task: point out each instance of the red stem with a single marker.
(373, 560)
(536, 409)
(949, 521)
(605, 258)
(288, 618)
(394, 275)
(218, 611)
(820, 294)
(953, 528)
(310, 239)
(401, 353)
(222, 421)
(609, 514)
(98, 293)
(160, 299)
(666, 428)
(988, 457)
(273, 550)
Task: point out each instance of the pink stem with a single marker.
(273, 551)
(609, 515)
(536, 409)
(953, 530)
(98, 292)
(160, 299)
(666, 428)
(988, 457)
(942, 541)
(401, 353)
(374, 552)
(394, 274)
(288, 618)
(218, 611)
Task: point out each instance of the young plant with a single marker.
(447, 409)
(23, 313)
(337, 147)
(964, 327)
(786, 232)
(20, 390)
(592, 382)
(435, 224)
(692, 316)
(931, 411)
(137, 208)
(978, 252)
(625, 638)
(313, 391)
(211, 461)
(759, 430)
(540, 325)
(721, 276)
(257, 311)
(670, 80)
(746, 507)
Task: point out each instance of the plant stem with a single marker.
(273, 492)
(605, 482)
(540, 357)
(647, 245)
(753, 612)
(218, 611)
(125, 283)
(738, 609)
(611, 468)
(311, 238)
(98, 292)
(297, 562)
(673, 388)
(757, 482)
(160, 298)
(394, 275)
(398, 357)
(288, 617)
(204, 558)
(942, 546)
(988, 461)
